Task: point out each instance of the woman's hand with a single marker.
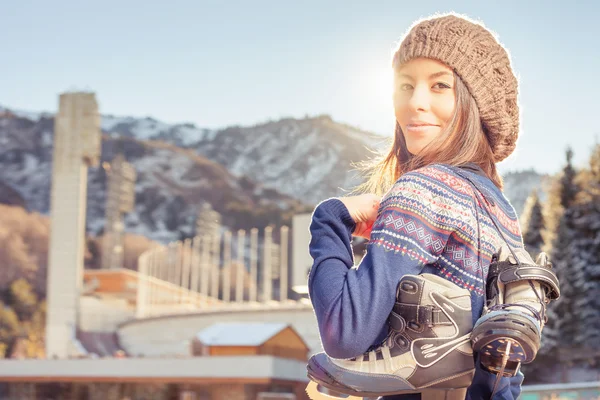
(363, 210)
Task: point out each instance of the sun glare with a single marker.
(381, 92)
(382, 84)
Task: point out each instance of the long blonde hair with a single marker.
(462, 141)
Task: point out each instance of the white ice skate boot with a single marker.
(427, 348)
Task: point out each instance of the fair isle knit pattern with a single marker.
(429, 222)
(434, 216)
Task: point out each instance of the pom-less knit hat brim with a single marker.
(482, 63)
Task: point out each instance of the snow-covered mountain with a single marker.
(310, 159)
(172, 182)
(182, 135)
(276, 165)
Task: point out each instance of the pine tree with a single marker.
(560, 329)
(533, 223)
(586, 257)
(569, 188)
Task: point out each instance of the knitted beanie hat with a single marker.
(482, 64)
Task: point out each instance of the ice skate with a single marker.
(518, 290)
(427, 349)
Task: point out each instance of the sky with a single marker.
(222, 63)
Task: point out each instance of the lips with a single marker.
(417, 124)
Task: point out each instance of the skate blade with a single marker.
(313, 392)
(502, 356)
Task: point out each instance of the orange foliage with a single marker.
(23, 247)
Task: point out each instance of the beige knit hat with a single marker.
(482, 63)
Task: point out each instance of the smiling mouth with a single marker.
(420, 128)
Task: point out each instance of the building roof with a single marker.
(239, 334)
(104, 344)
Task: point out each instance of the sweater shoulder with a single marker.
(445, 179)
(435, 195)
(451, 192)
(434, 180)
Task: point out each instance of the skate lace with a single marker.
(500, 307)
(539, 315)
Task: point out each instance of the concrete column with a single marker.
(253, 264)
(267, 287)
(239, 279)
(226, 266)
(186, 258)
(204, 264)
(171, 267)
(76, 146)
(195, 265)
(283, 264)
(178, 269)
(216, 260)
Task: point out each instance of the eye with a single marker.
(442, 85)
(404, 87)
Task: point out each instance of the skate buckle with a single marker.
(313, 392)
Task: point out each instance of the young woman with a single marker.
(431, 238)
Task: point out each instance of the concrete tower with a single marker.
(76, 147)
(208, 221)
(120, 199)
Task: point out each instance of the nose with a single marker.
(419, 99)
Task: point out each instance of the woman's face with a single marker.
(424, 100)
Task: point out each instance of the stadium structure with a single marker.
(222, 316)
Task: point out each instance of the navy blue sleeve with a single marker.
(351, 303)
(483, 384)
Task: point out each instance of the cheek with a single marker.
(445, 109)
(399, 108)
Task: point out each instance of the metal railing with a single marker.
(208, 272)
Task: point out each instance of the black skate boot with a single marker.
(518, 290)
(427, 348)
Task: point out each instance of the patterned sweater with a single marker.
(430, 221)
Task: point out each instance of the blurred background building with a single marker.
(208, 317)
